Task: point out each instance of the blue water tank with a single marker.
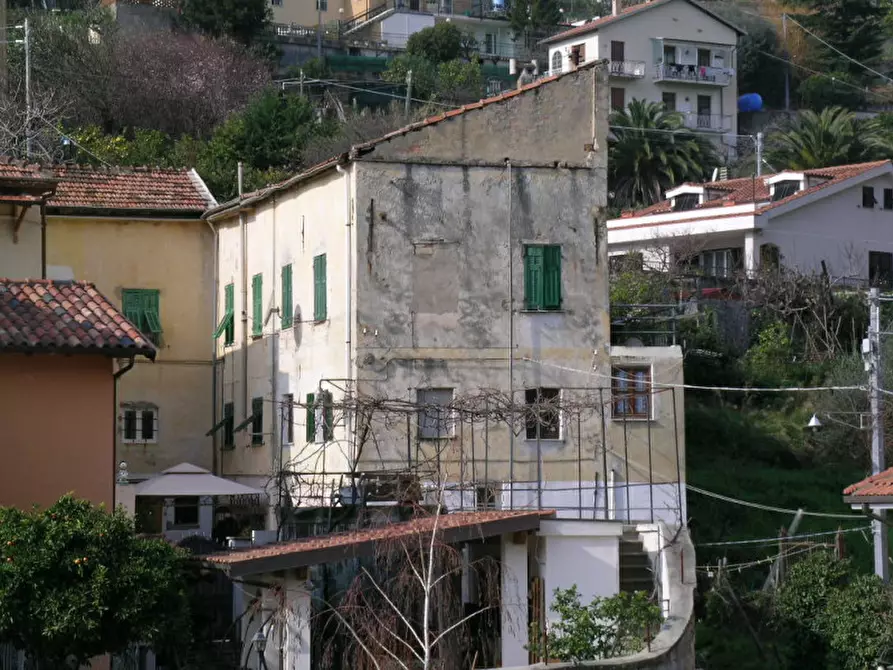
(750, 102)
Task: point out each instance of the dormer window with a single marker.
(785, 189)
(685, 201)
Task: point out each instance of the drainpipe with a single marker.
(275, 446)
(115, 377)
(43, 240)
(216, 317)
(348, 288)
(508, 165)
(243, 230)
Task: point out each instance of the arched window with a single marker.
(770, 257)
(556, 62)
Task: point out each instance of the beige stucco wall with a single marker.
(304, 12)
(674, 21)
(175, 257)
(57, 415)
(20, 259)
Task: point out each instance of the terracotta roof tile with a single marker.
(384, 533)
(123, 188)
(745, 190)
(880, 484)
(66, 317)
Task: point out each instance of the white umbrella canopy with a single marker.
(190, 480)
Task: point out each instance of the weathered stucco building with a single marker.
(436, 301)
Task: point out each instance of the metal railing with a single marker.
(627, 68)
(644, 325)
(697, 74)
(716, 122)
(368, 15)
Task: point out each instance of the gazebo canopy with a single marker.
(190, 480)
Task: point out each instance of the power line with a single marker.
(771, 508)
(836, 50)
(775, 540)
(823, 74)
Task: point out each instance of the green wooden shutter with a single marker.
(533, 277)
(257, 308)
(152, 312)
(229, 305)
(552, 277)
(311, 419)
(328, 430)
(132, 306)
(287, 305)
(319, 288)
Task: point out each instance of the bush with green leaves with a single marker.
(605, 628)
(77, 582)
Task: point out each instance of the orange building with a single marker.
(63, 346)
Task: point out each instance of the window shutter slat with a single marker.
(552, 277)
(287, 306)
(319, 288)
(533, 274)
(257, 318)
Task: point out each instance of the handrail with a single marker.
(368, 15)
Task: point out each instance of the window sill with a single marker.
(437, 439)
(319, 322)
(632, 419)
(139, 443)
(254, 445)
(545, 440)
(543, 311)
(185, 527)
(256, 336)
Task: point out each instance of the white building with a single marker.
(835, 220)
(672, 51)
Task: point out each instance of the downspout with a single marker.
(348, 307)
(43, 240)
(275, 447)
(120, 372)
(215, 284)
(243, 230)
(508, 165)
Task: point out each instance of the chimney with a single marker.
(615, 7)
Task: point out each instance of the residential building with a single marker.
(389, 273)
(137, 235)
(676, 52)
(59, 342)
(792, 218)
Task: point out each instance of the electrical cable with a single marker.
(772, 508)
(776, 540)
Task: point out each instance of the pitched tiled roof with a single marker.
(122, 188)
(13, 169)
(44, 316)
(267, 191)
(337, 546)
(746, 190)
(877, 485)
(626, 12)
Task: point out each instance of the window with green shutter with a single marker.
(141, 307)
(310, 420)
(542, 277)
(288, 307)
(257, 421)
(257, 304)
(227, 325)
(319, 288)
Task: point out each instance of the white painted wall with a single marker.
(513, 608)
(581, 553)
(397, 28)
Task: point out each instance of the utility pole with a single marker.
(27, 89)
(759, 154)
(787, 67)
(879, 527)
(408, 94)
(319, 29)
(4, 67)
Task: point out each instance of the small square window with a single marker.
(435, 416)
(631, 392)
(186, 512)
(139, 423)
(880, 269)
(543, 413)
(868, 197)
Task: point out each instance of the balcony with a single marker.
(710, 122)
(644, 325)
(691, 74)
(627, 69)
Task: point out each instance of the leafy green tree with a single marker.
(439, 43)
(605, 628)
(650, 151)
(244, 20)
(533, 17)
(77, 582)
(830, 137)
(452, 81)
(424, 74)
(842, 90)
(854, 27)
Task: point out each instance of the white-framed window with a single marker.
(631, 392)
(138, 423)
(186, 512)
(719, 262)
(556, 62)
(543, 413)
(436, 419)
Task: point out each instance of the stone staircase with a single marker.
(635, 568)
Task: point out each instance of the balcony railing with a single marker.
(694, 74)
(628, 68)
(714, 122)
(644, 325)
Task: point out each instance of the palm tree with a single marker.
(831, 137)
(650, 151)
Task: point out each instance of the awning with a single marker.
(190, 480)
